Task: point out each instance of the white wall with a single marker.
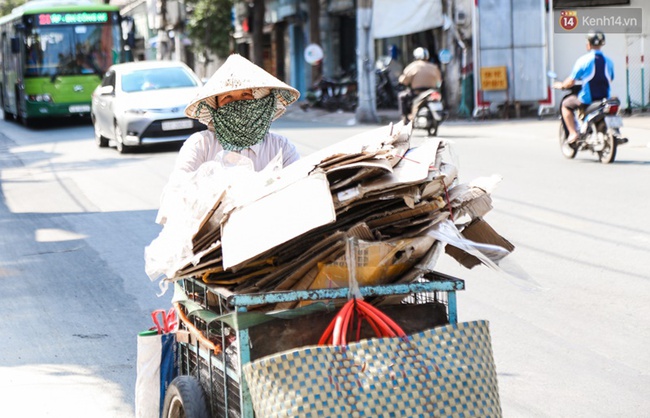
(567, 47)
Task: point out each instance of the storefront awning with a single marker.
(396, 18)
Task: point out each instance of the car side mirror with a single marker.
(106, 90)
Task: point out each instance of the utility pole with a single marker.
(163, 38)
(314, 37)
(258, 32)
(367, 103)
(179, 30)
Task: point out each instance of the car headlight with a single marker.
(40, 98)
(164, 110)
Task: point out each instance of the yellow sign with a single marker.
(494, 78)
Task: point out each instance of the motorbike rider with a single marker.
(595, 71)
(418, 76)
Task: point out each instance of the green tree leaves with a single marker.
(210, 25)
(6, 6)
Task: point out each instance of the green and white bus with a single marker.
(53, 54)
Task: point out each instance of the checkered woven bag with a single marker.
(443, 372)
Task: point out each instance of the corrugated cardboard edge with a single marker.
(478, 231)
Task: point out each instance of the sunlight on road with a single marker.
(83, 393)
(56, 235)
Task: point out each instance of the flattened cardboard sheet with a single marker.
(276, 218)
(412, 169)
(478, 231)
(378, 262)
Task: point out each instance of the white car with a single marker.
(139, 103)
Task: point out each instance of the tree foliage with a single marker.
(210, 25)
(6, 6)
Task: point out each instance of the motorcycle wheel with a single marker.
(608, 154)
(433, 128)
(383, 100)
(349, 103)
(568, 150)
(330, 104)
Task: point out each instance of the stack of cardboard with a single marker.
(379, 193)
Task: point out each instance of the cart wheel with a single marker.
(185, 399)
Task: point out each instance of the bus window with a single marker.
(71, 50)
(34, 55)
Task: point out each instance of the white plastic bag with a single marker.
(156, 368)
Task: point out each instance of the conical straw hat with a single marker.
(238, 73)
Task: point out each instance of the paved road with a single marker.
(569, 341)
(573, 344)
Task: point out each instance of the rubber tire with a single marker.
(185, 398)
(568, 150)
(27, 123)
(5, 115)
(119, 144)
(101, 141)
(383, 99)
(433, 129)
(607, 155)
(22, 117)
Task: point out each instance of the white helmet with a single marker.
(421, 54)
(596, 38)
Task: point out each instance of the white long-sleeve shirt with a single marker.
(203, 146)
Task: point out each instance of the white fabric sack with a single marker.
(155, 370)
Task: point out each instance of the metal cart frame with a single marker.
(213, 369)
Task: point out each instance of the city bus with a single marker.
(53, 54)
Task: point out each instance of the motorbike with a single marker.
(386, 91)
(427, 111)
(333, 94)
(598, 127)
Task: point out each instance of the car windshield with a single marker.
(71, 50)
(157, 79)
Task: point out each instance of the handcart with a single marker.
(215, 338)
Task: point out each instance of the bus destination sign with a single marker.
(72, 18)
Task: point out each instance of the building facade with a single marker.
(288, 30)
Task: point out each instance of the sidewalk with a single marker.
(294, 112)
(385, 116)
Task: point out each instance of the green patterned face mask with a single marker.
(243, 123)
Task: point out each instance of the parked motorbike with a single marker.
(598, 128)
(427, 111)
(333, 93)
(386, 91)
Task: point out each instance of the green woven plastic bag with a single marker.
(443, 372)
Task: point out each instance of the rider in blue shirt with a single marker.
(595, 72)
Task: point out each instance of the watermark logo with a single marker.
(568, 20)
(608, 20)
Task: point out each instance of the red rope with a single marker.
(342, 324)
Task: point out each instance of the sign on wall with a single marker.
(494, 78)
